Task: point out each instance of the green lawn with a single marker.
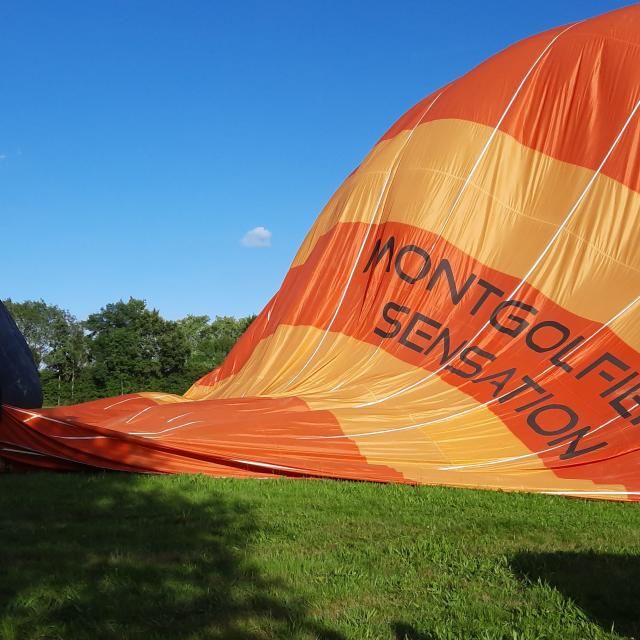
(125, 556)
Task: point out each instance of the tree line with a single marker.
(123, 348)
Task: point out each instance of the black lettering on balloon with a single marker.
(556, 358)
(534, 403)
(619, 384)
(476, 367)
(616, 403)
(498, 380)
(575, 437)
(447, 353)
(378, 253)
(545, 326)
(520, 323)
(489, 290)
(528, 384)
(603, 373)
(415, 319)
(424, 269)
(444, 266)
(567, 418)
(395, 323)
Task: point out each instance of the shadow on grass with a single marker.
(116, 556)
(403, 631)
(605, 586)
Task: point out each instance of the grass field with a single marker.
(125, 556)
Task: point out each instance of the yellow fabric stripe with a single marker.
(506, 215)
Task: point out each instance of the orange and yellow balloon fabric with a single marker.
(465, 310)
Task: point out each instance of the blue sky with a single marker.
(140, 141)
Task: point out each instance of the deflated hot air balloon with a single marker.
(464, 311)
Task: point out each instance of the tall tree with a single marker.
(132, 346)
(196, 331)
(69, 352)
(211, 341)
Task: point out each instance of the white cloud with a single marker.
(258, 237)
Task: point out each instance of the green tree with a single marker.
(210, 341)
(68, 355)
(133, 347)
(123, 348)
(196, 330)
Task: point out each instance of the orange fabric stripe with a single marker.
(579, 131)
(236, 437)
